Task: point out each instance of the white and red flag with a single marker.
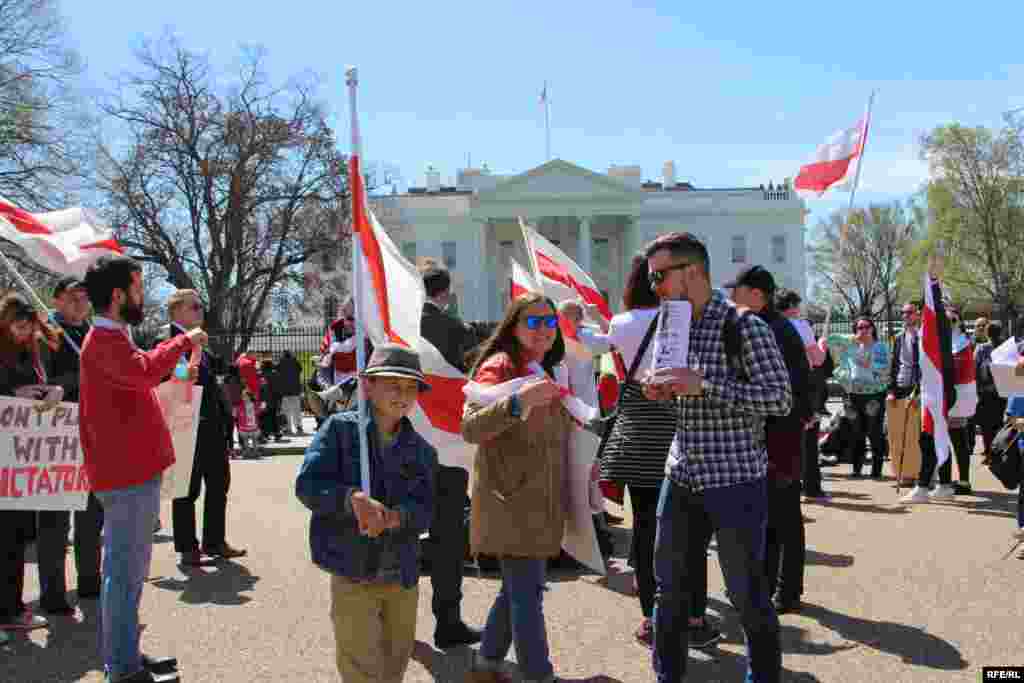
(390, 310)
(836, 162)
(522, 282)
(65, 242)
(938, 372)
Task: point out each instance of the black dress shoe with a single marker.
(787, 605)
(455, 634)
(147, 676)
(160, 665)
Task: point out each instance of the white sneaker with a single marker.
(942, 492)
(917, 495)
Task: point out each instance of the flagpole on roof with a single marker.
(352, 81)
(547, 122)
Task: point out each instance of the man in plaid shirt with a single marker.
(717, 465)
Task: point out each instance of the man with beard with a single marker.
(210, 469)
(127, 447)
(716, 471)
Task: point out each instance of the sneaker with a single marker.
(26, 621)
(704, 635)
(918, 494)
(942, 492)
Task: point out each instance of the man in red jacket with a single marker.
(127, 446)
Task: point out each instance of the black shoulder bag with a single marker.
(1005, 462)
(609, 421)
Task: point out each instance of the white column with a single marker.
(585, 245)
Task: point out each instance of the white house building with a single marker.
(599, 219)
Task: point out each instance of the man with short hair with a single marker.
(754, 287)
(127, 446)
(448, 536)
(902, 401)
(211, 466)
(717, 466)
(71, 302)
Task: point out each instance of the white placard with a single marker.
(42, 466)
(672, 338)
(1004, 362)
(182, 416)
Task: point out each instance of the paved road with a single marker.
(893, 594)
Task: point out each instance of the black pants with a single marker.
(785, 538)
(449, 542)
(645, 527)
(963, 446)
(15, 531)
(51, 550)
(928, 462)
(210, 468)
(812, 463)
(269, 419)
(870, 426)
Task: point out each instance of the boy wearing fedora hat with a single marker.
(368, 541)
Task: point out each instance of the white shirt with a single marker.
(628, 330)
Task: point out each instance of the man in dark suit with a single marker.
(211, 464)
(448, 538)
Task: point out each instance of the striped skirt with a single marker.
(638, 446)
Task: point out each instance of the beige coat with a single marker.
(518, 504)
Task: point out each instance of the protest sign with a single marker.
(41, 459)
(672, 338)
(181, 411)
(1004, 365)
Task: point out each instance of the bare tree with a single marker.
(976, 202)
(227, 190)
(860, 258)
(44, 126)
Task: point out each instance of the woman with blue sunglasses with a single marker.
(518, 510)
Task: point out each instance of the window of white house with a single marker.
(448, 254)
(739, 249)
(779, 249)
(409, 251)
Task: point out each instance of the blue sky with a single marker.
(735, 94)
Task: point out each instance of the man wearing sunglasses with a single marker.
(211, 467)
(903, 409)
(717, 466)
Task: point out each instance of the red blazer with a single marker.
(120, 424)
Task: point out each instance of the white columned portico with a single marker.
(584, 248)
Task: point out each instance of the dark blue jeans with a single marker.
(518, 616)
(738, 514)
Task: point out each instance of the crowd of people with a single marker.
(724, 448)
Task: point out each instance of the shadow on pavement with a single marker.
(991, 503)
(71, 650)
(221, 586)
(828, 559)
(451, 666)
(910, 643)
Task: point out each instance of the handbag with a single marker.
(1005, 460)
(613, 490)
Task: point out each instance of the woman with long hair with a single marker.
(863, 367)
(23, 336)
(518, 508)
(635, 453)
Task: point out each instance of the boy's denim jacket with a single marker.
(403, 479)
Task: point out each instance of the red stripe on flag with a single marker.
(822, 175)
(443, 403)
(110, 244)
(371, 248)
(555, 271)
(22, 220)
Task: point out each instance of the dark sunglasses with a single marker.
(909, 312)
(656, 277)
(349, 318)
(864, 326)
(535, 321)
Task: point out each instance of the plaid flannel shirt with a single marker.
(719, 437)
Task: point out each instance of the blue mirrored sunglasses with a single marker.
(535, 321)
